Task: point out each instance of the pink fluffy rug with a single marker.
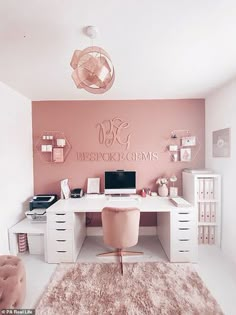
(145, 288)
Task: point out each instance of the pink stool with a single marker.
(12, 282)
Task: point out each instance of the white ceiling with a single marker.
(159, 48)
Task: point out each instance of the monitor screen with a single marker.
(120, 182)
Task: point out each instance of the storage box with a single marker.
(36, 244)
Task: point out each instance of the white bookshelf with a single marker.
(203, 191)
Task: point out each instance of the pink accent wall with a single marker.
(150, 125)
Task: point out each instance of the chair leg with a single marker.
(121, 262)
(113, 253)
(131, 253)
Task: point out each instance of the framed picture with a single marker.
(185, 154)
(93, 186)
(188, 141)
(221, 143)
(58, 155)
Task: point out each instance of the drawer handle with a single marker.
(184, 251)
(61, 240)
(61, 251)
(184, 229)
(60, 221)
(184, 220)
(184, 239)
(183, 212)
(61, 229)
(60, 214)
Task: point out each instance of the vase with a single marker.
(163, 190)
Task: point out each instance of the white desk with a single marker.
(25, 226)
(66, 230)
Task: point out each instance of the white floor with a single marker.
(218, 274)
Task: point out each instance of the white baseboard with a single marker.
(143, 230)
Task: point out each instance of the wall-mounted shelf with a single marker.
(53, 146)
(182, 146)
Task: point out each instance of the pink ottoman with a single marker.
(12, 282)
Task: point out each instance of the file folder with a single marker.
(207, 212)
(205, 235)
(201, 212)
(207, 188)
(201, 189)
(211, 235)
(200, 235)
(211, 188)
(213, 212)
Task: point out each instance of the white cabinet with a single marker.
(184, 235)
(65, 235)
(203, 190)
(177, 231)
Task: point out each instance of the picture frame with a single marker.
(93, 186)
(185, 154)
(58, 155)
(188, 141)
(221, 143)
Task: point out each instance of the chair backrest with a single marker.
(120, 226)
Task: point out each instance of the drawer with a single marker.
(60, 234)
(181, 224)
(60, 224)
(60, 216)
(183, 255)
(60, 245)
(183, 244)
(183, 233)
(60, 256)
(184, 215)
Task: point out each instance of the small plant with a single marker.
(162, 181)
(173, 179)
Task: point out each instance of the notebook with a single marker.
(180, 202)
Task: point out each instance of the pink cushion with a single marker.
(120, 226)
(12, 282)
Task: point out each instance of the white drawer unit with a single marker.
(65, 235)
(184, 235)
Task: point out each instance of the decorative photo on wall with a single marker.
(221, 143)
(185, 154)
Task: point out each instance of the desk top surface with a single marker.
(96, 204)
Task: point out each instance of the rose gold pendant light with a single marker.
(93, 69)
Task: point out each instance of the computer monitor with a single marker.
(120, 182)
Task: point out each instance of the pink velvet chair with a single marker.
(120, 230)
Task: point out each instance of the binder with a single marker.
(201, 188)
(211, 188)
(213, 212)
(201, 209)
(205, 235)
(197, 189)
(207, 212)
(207, 188)
(211, 235)
(200, 235)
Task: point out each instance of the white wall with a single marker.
(16, 162)
(221, 113)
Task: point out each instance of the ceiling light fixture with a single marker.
(93, 69)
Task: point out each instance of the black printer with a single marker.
(42, 201)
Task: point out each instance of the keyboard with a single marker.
(94, 196)
(124, 198)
